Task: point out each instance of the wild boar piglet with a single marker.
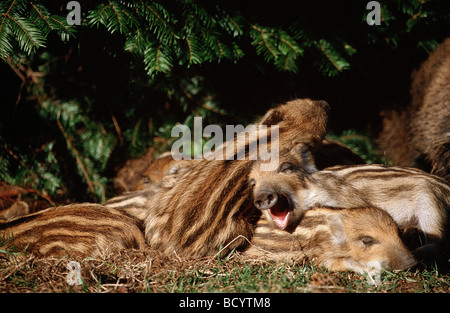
(358, 239)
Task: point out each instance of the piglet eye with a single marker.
(252, 183)
(368, 240)
(286, 167)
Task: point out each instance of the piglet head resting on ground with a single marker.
(365, 240)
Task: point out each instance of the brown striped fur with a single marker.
(359, 239)
(137, 203)
(193, 213)
(413, 198)
(84, 229)
(211, 204)
(329, 153)
(419, 135)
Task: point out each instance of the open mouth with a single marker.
(281, 212)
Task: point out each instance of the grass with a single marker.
(147, 272)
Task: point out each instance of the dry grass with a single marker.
(145, 271)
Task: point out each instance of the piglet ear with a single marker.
(337, 229)
(303, 152)
(272, 117)
(325, 106)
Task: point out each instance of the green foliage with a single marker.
(82, 134)
(90, 96)
(336, 62)
(276, 45)
(186, 35)
(191, 32)
(359, 143)
(28, 24)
